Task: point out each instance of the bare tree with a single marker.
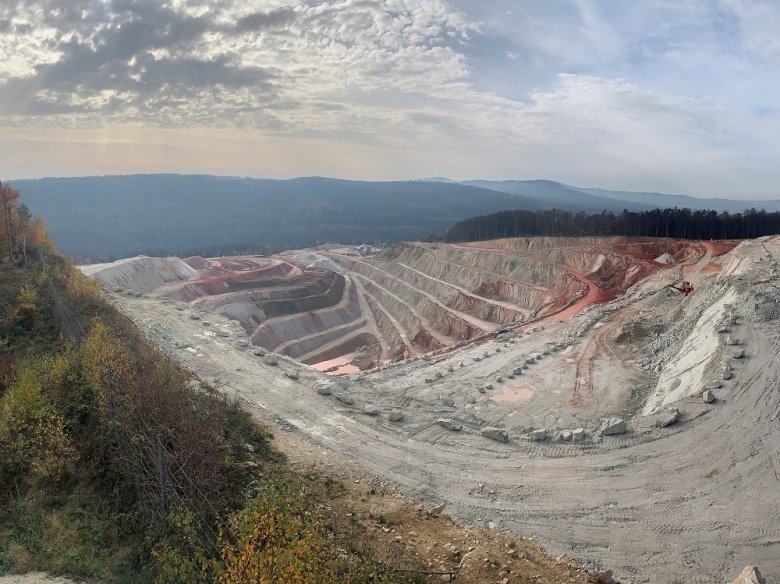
(8, 195)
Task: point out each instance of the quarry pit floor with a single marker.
(692, 502)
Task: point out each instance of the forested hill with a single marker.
(677, 223)
(102, 218)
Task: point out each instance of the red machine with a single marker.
(686, 287)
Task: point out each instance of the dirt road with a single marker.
(693, 502)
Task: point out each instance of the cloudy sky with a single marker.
(669, 95)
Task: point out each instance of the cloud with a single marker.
(674, 94)
(142, 54)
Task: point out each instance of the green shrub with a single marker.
(32, 436)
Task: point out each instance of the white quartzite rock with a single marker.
(453, 425)
(668, 418)
(495, 434)
(750, 575)
(395, 415)
(613, 426)
(345, 398)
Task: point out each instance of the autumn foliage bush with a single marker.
(32, 435)
(280, 537)
(82, 413)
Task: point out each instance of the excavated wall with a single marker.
(522, 280)
(254, 307)
(439, 318)
(410, 299)
(410, 321)
(274, 332)
(390, 329)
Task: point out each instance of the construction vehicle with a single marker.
(686, 287)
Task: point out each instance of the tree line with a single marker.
(675, 223)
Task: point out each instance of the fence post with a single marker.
(161, 460)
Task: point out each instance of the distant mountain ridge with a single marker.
(108, 217)
(573, 198)
(163, 214)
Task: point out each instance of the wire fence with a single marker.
(160, 479)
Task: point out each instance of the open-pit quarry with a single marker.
(559, 388)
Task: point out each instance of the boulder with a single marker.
(259, 351)
(195, 316)
(578, 435)
(224, 333)
(738, 353)
(495, 434)
(708, 396)
(453, 425)
(716, 384)
(292, 374)
(471, 398)
(668, 418)
(345, 398)
(243, 343)
(447, 400)
(488, 386)
(728, 372)
(481, 389)
(395, 415)
(323, 388)
(437, 510)
(613, 426)
(517, 371)
(499, 379)
(538, 435)
(566, 435)
(372, 410)
(179, 305)
(750, 575)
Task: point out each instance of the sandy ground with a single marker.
(693, 502)
(34, 578)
